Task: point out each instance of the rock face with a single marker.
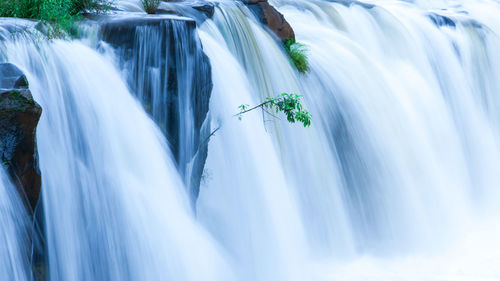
(208, 8)
(169, 72)
(19, 115)
(270, 17)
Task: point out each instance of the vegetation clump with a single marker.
(297, 53)
(288, 104)
(150, 6)
(59, 14)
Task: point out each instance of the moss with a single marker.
(22, 102)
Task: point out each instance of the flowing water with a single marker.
(14, 239)
(396, 179)
(399, 169)
(115, 205)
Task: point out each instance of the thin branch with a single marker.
(270, 113)
(208, 137)
(253, 108)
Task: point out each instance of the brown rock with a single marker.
(19, 115)
(270, 17)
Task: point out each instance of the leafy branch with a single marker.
(288, 104)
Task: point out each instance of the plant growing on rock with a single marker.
(150, 6)
(288, 104)
(297, 54)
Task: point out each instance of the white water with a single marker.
(115, 206)
(395, 180)
(14, 240)
(397, 177)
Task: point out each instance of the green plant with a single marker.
(150, 6)
(60, 15)
(297, 54)
(95, 6)
(288, 104)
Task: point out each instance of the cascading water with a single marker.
(14, 239)
(244, 199)
(115, 206)
(395, 180)
(168, 71)
(401, 160)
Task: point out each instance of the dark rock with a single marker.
(247, 2)
(169, 72)
(198, 10)
(12, 77)
(19, 115)
(206, 8)
(270, 17)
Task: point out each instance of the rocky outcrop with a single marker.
(169, 72)
(270, 17)
(19, 115)
(207, 8)
(198, 10)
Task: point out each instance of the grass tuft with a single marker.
(297, 53)
(150, 6)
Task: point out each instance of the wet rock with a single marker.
(198, 10)
(206, 8)
(171, 75)
(11, 77)
(19, 115)
(270, 17)
(247, 2)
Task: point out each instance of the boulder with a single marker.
(270, 17)
(207, 8)
(19, 115)
(198, 10)
(11, 77)
(171, 75)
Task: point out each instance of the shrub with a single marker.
(297, 54)
(150, 6)
(59, 14)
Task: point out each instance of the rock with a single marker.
(270, 17)
(19, 115)
(171, 75)
(247, 2)
(198, 10)
(207, 8)
(11, 77)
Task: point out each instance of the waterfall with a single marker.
(400, 160)
(244, 198)
(115, 206)
(14, 239)
(166, 68)
(396, 179)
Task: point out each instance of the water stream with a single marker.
(396, 179)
